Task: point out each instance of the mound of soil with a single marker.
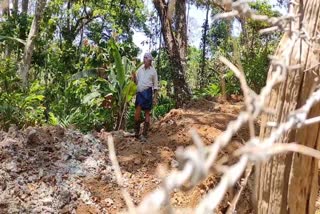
(54, 170)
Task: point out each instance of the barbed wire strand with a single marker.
(196, 162)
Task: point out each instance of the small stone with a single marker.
(65, 197)
(128, 174)
(6, 143)
(13, 129)
(109, 202)
(33, 137)
(217, 108)
(47, 201)
(3, 185)
(32, 178)
(66, 209)
(41, 173)
(137, 161)
(12, 166)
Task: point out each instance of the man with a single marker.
(146, 79)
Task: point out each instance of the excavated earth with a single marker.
(56, 170)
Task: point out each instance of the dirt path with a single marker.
(51, 169)
(140, 161)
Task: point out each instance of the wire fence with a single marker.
(197, 162)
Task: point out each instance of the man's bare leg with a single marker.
(137, 116)
(146, 123)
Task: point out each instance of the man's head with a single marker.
(147, 59)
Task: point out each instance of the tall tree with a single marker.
(28, 50)
(6, 12)
(6, 7)
(204, 47)
(289, 183)
(25, 6)
(174, 30)
(15, 5)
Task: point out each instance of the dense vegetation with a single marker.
(83, 55)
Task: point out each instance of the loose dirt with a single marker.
(55, 170)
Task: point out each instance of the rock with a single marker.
(3, 206)
(202, 191)
(32, 178)
(66, 157)
(90, 163)
(47, 201)
(109, 202)
(127, 174)
(59, 131)
(32, 137)
(174, 164)
(65, 198)
(6, 143)
(3, 185)
(137, 161)
(13, 129)
(41, 173)
(66, 209)
(147, 152)
(11, 166)
(217, 108)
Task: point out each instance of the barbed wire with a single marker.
(197, 162)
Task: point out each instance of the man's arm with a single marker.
(155, 88)
(134, 77)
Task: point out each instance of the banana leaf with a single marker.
(13, 38)
(120, 70)
(89, 97)
(83, 74)
(129, 91)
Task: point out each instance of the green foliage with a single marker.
(165, 71)
(211, 90)
(22, 108)
(249, 52)
(261, 7)
(120, 70)
(68, 78)
(82, 104)
(84, 56)
(254, 50)
(165, 104)
(122, 86)
(193, 66)
(13, 32)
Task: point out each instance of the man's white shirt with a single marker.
(147, 78)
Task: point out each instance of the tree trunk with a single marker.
(6, 8)
(6, 12)
(223, 87)
(175, 39)
(203, 78)
(15, 5)
(28, 51)
(289, 183)
(25, 5)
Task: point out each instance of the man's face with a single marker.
(147, 61)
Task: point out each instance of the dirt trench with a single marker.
(50, 169)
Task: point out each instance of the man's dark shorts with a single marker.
(144, 99)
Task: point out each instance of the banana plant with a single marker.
(123, 87)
